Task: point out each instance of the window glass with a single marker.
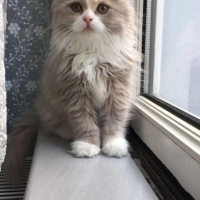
(176, 74)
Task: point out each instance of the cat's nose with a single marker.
(87, 19)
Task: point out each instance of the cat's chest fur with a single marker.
(88, 64)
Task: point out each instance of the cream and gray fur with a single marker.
(88, 82)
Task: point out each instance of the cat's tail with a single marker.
(25, 130)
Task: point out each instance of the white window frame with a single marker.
(175, 142)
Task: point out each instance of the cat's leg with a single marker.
(114, 117)
(87, 141)
(79, 124)
(87, 138)
(86, 133)
(113, 140)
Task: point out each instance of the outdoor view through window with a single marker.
(177, 54)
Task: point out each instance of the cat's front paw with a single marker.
(84, 149)
(117, 147)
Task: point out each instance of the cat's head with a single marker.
(91, 23)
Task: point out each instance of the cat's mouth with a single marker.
(88, 28)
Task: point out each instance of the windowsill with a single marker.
(56, 174)
(173, 141)
(182, 133)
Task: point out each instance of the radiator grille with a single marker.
(14, 192)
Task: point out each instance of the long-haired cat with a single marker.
(88, 81)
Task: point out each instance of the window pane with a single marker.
(177, 54)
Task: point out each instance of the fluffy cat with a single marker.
(88, 82)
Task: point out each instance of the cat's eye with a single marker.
(103, 9)
(76, 7)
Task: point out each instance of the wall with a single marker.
(27, 40)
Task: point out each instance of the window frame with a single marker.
(147, 76)
(172, 137)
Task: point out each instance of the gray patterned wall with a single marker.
(27, 40)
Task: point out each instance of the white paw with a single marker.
(117, 147)
(84, 149)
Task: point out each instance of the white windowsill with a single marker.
(182, 133)
(57, 175)
(175, 142)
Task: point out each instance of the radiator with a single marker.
(14, 192)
